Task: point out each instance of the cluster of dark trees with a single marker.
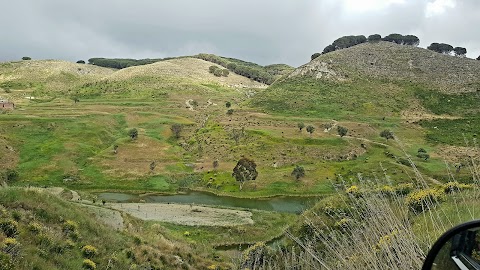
(120, 63)
(218, 71)
(249, 70)
(349, 41)
(447, 49)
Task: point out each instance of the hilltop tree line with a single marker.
(448, 49)
(349, 41)
(249, 70)
(119, 63)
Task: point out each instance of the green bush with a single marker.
(6, 262)
(9, 227)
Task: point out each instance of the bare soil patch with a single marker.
(191, 215)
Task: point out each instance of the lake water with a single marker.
(284, 204)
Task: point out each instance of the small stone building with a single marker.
(6, 105)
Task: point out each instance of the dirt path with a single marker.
(185, 214)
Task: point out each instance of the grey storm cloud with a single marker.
(266, 31)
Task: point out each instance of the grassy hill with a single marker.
(40, 230)
(75, 133)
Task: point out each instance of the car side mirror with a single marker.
(458, 248)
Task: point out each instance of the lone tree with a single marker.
(387, 134)
(300, 126)
(315, 55)
(342, 131)
(310, 129)
(422, 153)
(26, 58)
(176, 130)
(298, 172)
(133, 133)
(228, 104)
(80, 62)
(244, 171)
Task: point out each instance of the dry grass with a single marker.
(187, 69)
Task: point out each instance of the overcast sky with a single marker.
(261, 31)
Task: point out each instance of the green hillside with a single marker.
(171, 127)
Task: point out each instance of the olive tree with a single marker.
(310, 129)
(176, 130)
(298, 172)
(342, 131)
(133, 133)
(387, 134)
(245, 170)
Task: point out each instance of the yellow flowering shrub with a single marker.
(89, 264)
(421, 200)
(354, 191)
(451, 187)
(89, 251)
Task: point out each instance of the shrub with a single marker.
(404, 189)
(387, 190)
(342, 131)
(10, 246)
(230, 112)
(422, 200)
(212, 69)
(89, 251)
(26, 58)
(298, 172)
(9, 227)
(69, 226)
(225, 73)
(228, 104)
(89, 264)
(35, 227)
(6, 262)
(452, 187)
(354, 191)
(387, 134)
(80, 62)
(218, 72)
(133, 133)
(315, 55)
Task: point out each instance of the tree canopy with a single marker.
(402, 40)
(441, 48)
(26, 58)
(80, 62)
(374, 38)
(315, 55)
(460, 51)
(245, 170)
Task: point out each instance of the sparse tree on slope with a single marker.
(387, 134)
(310, 129)
(342, 131)
(300, 126)
(460, 51)
(315, 55)
(133, 133)
(298, 172)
